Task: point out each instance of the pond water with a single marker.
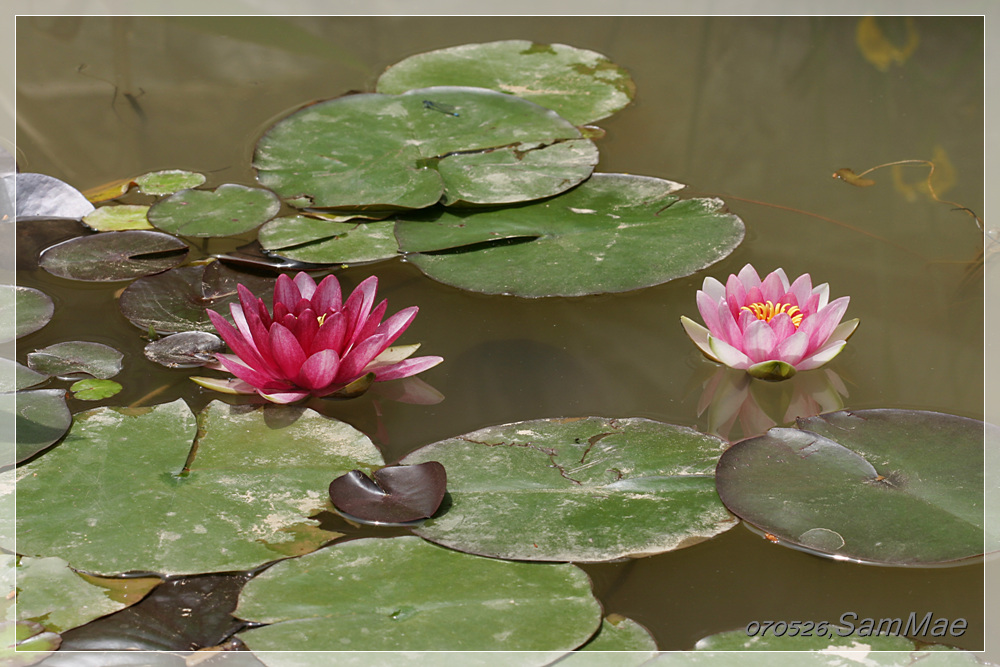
(757, 111)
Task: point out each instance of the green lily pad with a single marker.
(118, 218)
(387, 595)
(228, 210)
(176, 300)
(581, 86)
(187, 349)
(42, 417)
(168, 181)
(115, 496)
(25, 643)
(74, 358)
(23, 310)
(588, 489)
(325, 242)
(111, 256)
(448, 144)
(23, 376)
(53, 595)
(900, 487)
(613, 233)
(94, 390)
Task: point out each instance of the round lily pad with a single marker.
(168, 181)
(228, 210)
(899, 487)
(176, 300)
(94, 390)
(448, 144)
(389, 594)
(392, 495)
(613, 233)
(23, 310)
(590, 489)
(120, 493)
(113, 256)
(324, 242)
(581, 86)
(118, 218)
(72, 359)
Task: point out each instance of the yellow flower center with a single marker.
(321, 318)
(765, 311)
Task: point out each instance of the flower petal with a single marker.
(331, 333)
(288, 354)
(284, 397)
(736, 294)
(286, 292)
(709, 309)
(801, 289)
(727, 354)
(772, 287)
(782, 326)
(244, 349)
(405, 368)
(370, 325)
(224, 385)
(748, 276)
(250, 375)
(822, 355)
(319, 370)
(792, 349)
(713, 288)
(396, 324)
(759, 341)
(820, 325)
(354, 362)
(305, 283)
(327, 296)
(358, 305)
(699, 335)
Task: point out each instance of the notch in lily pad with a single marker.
(392, 496)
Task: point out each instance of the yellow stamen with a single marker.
(765, 311)
(321, 318)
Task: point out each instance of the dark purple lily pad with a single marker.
(176, 300)
(111, 256)
(392, 495)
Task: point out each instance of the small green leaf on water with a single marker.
(118, 218)
(94, 390)
(168, 181)
(227, 211)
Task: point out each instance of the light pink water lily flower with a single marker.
(769, 328)
(314, 343)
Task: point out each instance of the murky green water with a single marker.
(759, 111)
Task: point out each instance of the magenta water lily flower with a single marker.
(314, 343)
(770, 328)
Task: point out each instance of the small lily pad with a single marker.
(168, 181)
(590, 489)
(188, 349)
(94, 390)
(228, 210)
(581, 86)
(392, 495)
(176, 300)
(118, 218)
(612, 233)
(44, 197)
(72, 359)
(111, 256)
(407, 594)
(900, 487)
(324, 242)
(378, 152)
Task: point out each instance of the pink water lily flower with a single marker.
(314, 343)
(769, 328)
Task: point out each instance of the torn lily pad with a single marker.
(395, 495)
(73, 359)
(374, 151)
